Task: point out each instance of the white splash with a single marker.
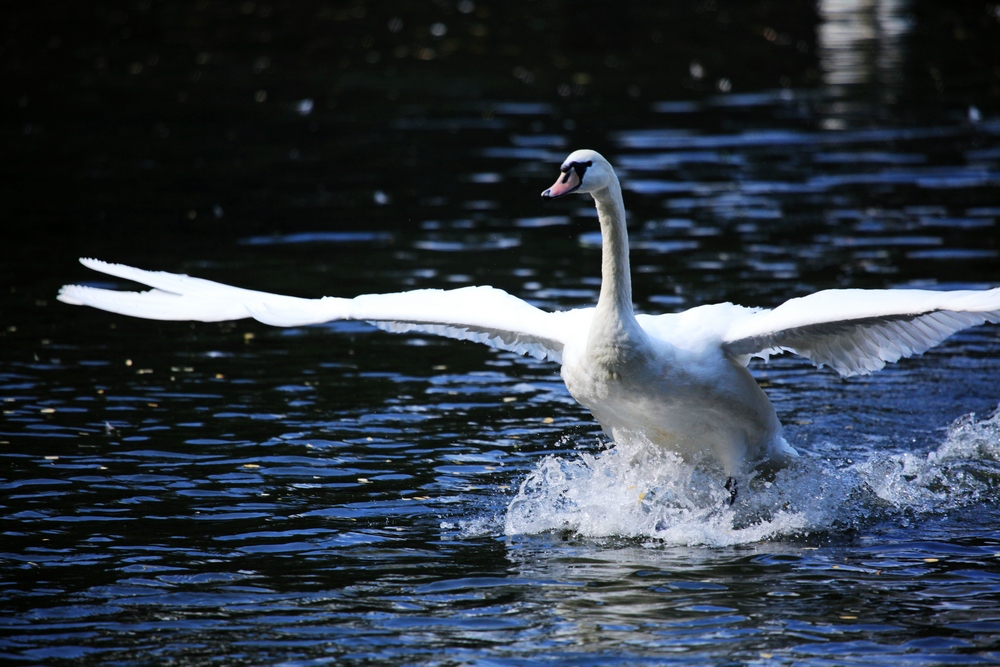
(635, 489)
(963, 470)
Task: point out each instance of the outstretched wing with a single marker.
(482, 314)
(858, 331)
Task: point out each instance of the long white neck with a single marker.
(615, 301)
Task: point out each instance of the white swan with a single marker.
(678, 379)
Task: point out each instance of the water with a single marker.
(196, 493)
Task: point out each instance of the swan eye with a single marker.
(579, 167)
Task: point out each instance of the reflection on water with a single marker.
(861, 46)
(234, 493)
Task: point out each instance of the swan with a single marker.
(680, 379)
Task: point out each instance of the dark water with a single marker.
(179, 493)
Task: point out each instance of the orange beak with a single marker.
(567, 183)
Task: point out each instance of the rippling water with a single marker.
(180, 493)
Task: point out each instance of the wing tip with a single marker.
(71, 294)
(76, 295)
(93, 263)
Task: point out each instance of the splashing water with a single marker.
(963, 470)
(636, 489)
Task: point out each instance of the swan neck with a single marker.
(616, 280)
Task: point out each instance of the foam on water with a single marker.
(636, 489)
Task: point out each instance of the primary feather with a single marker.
(859, 331)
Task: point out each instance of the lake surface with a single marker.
(178, 493)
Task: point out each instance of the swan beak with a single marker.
(567, 183)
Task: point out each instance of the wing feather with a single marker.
(852, 331)
(860, 331)
(482, 314)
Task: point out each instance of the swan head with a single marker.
(583, 171)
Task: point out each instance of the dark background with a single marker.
(127, 124)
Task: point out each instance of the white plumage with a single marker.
(678, 379)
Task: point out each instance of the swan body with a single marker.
(679, 379)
